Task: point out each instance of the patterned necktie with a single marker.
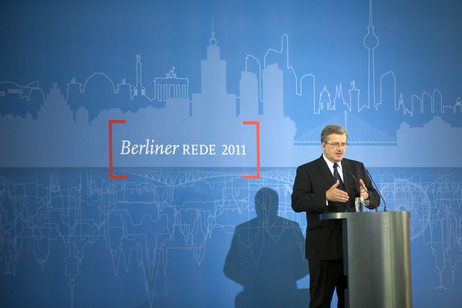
(340, 186)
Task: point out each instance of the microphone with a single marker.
(375, 187)
(378, 191)
(362, 199)
(357, 180)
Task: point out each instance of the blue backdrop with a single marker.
(185, 77)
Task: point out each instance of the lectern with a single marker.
(376, 256)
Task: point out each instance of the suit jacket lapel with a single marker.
(347, 178)
(325, 171)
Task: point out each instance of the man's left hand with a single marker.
(363, 189)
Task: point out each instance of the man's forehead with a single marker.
(333, 135)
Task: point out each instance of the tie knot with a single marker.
(335, 165)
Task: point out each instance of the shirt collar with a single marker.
(331, 164)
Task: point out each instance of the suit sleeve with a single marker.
(308, 194)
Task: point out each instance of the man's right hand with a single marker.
(335, 194)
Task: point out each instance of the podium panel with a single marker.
(377, 260)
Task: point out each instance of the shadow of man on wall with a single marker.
(267, 258)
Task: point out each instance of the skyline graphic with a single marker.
(191, 72)
(269, 93)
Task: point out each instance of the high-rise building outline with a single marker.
(371, 41)
(139, 89)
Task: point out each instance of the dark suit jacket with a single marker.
(324, 237)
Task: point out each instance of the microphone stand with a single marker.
(378, 191)
(375, 187)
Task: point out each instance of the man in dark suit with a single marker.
(329, 184)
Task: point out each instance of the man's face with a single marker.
(334, 149)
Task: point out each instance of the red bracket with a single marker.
(111, 176)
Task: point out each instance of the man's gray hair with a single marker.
(332, 129)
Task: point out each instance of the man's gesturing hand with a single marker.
(364, 193)
(335, 194)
